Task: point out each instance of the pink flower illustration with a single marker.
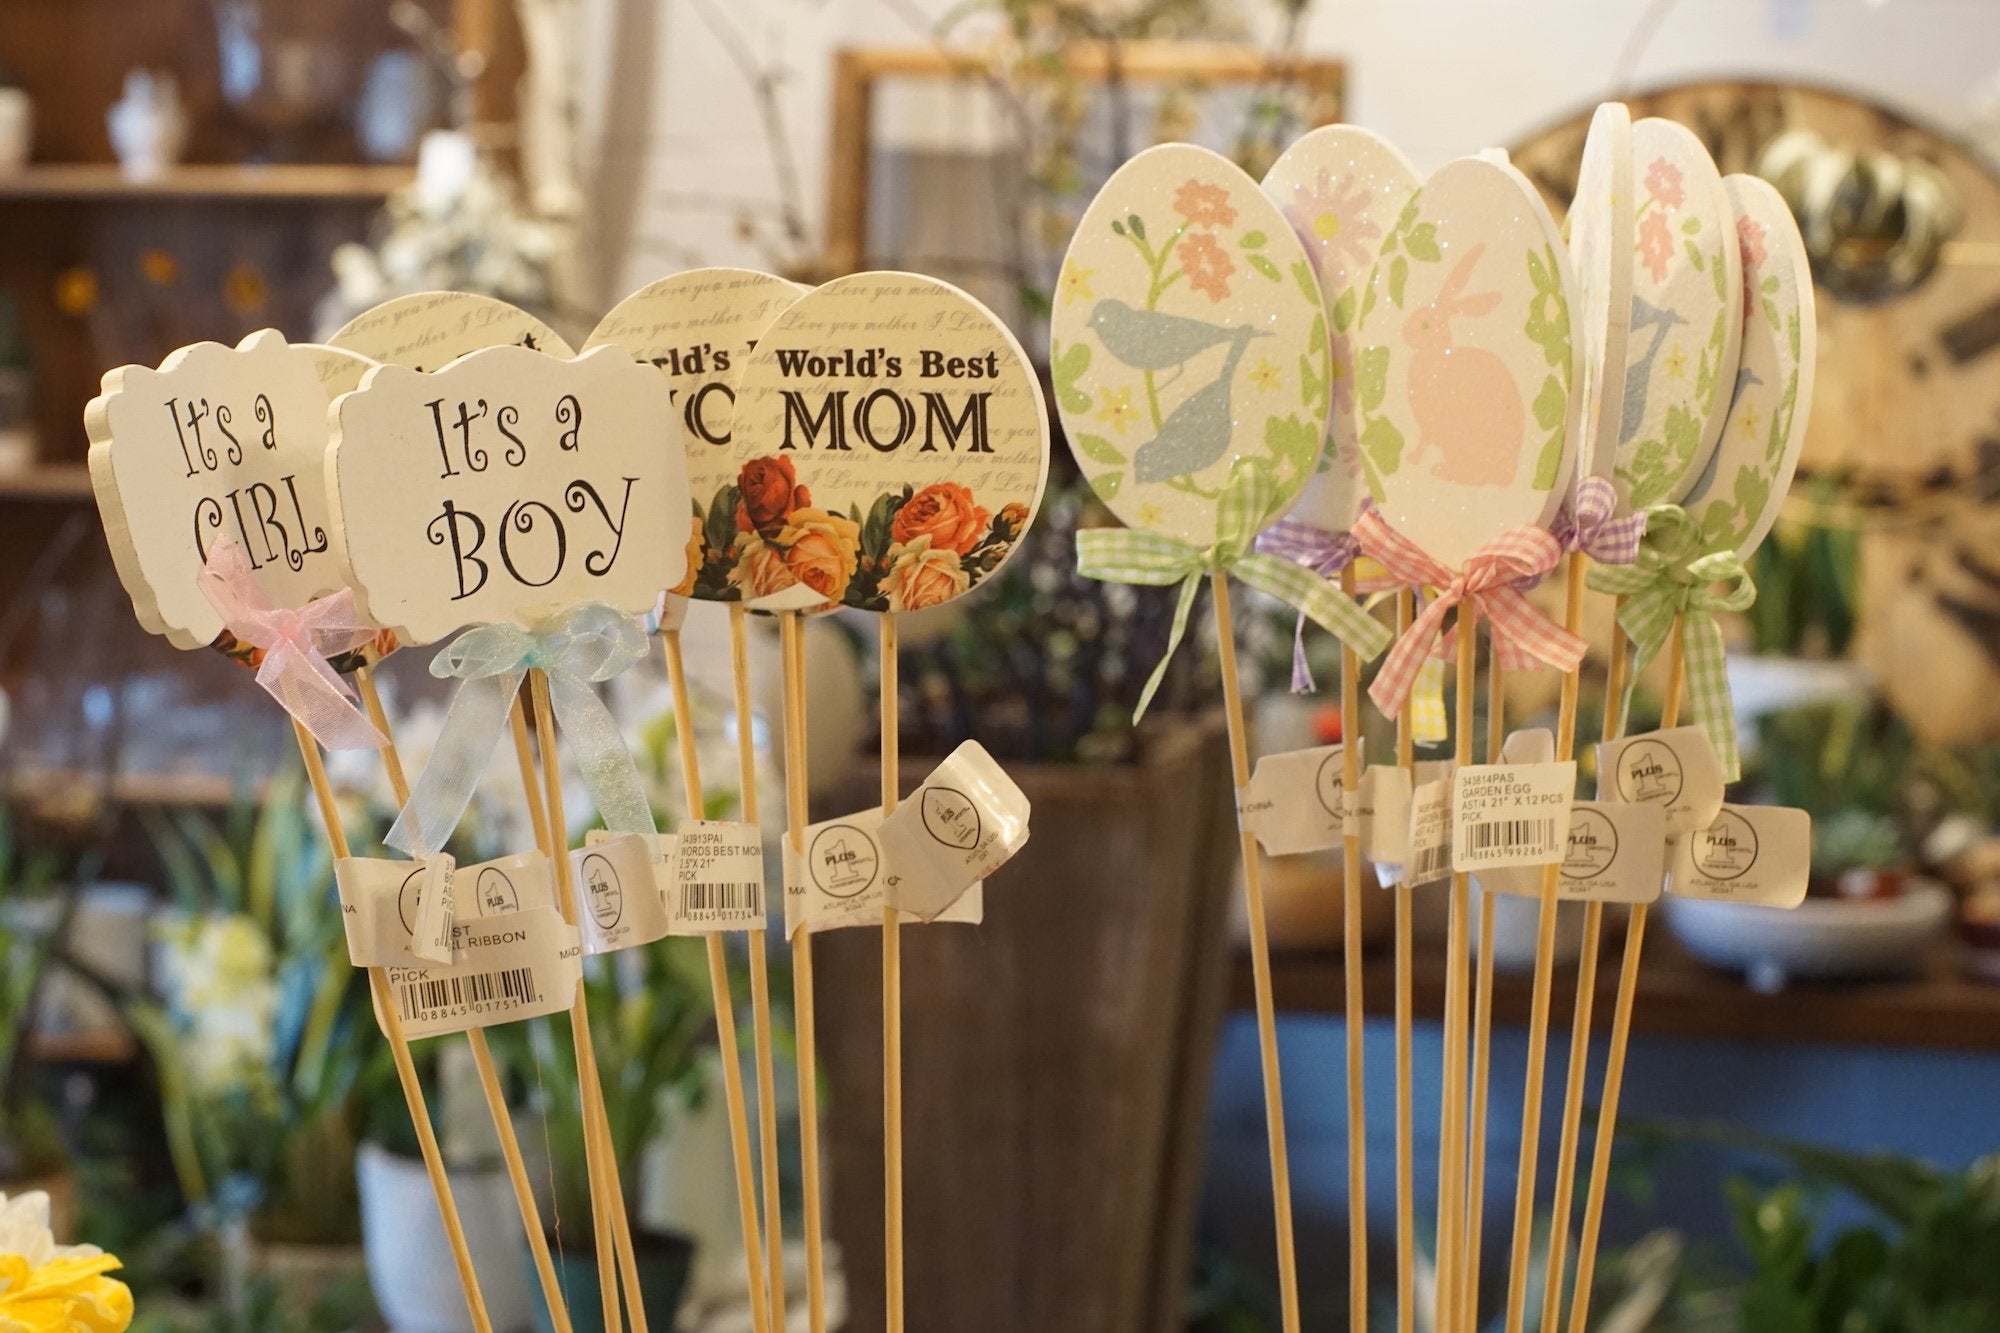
(1656, 245)
(1750, 240)
(1331, 217)
(1207, 265)
(1663, 182)
(1203, 205)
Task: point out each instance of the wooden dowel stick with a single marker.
(792, 637)
(760, 981)
(1458, 979)
(1621, 1036)
(1544, 982)
(531, 782)
(600, 1160)
(1350, 944)
(725, 1004)
(1260, 963)
(482, 1056)
(1577, 1076)
(399, 1049)
(1406, 1167)
(1482, 1037)
(892, 1002)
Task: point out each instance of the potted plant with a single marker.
(259, 1033)
(32, 1153)
(650, 1017)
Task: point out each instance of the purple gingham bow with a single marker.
(1325, 554)
(1590, 523)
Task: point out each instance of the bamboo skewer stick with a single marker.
(1260, 963)
(1482, 1036)
(1406, 1187)
(482, 1056)
(1538, 1017)
(760, 981)
(1577, 1076)
(1451, 1145)
(399, 1049)
(725, 1004)
(1350, 943)
(892, 1002)
(791, 631)
(611, 1230)
(1621, 1035)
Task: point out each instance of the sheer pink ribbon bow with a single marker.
(1522, 636)
(296, 644)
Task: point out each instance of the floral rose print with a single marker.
(1331, 218)
(1203, 204)
(821, 550)
(944, 513)
(1207, 265)
(922, 574)
(768, 490)
(1750, 240)
(760, 569)
(1656, 245)
(1664, 184)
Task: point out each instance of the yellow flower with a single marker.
(1265, 375)
(1076, 283)
(1750, 424)
(76, 291)
(1677, 362)
(245, 290)
(159, 267)
(50, 1288)
(1150, 515)
(1326, 226)
(1115, 409)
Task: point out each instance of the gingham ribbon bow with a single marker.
(1325, 554)
(578, 648)
(295, 644)
(1673, 578)
(1152, 559)
(1489, 581)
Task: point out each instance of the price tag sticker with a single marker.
(1675, 769)
(1510, 814)
(966, 821)
(1748, 854)
(431, 931)
(617, 893)
(719, 877)
(1616, 853)
(1429, 856)
(1295, 802)
(842, 877)
(381, 901)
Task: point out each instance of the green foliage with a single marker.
(1067, 365)
(1808, 587)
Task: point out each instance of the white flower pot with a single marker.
(410, 1266)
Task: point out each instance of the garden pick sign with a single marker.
(426, 330)
(1190, 355)
(1600, 248)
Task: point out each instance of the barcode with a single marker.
(1529, 837)
(515, 986)
(1429, 863)
(744, 897)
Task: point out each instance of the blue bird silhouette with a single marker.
(1640, 377)
(1154, 340)
(1196, 433)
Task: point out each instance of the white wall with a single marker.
(682, 143)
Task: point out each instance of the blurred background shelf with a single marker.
(96, 182)
(46, 481)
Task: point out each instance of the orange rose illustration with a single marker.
(921, 574)
(1014, 514)
(770, 492)
(944, 512)
(821, 550)
(694, 548)
(760, 569)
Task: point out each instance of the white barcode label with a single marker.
(618, 903)
(1510, 814)
(430, 937)
(507, 967)
(966, 821)
(1295, 802)
(438, 995)
(841, 879)
(718, 877)
(1675, 769)
(1747, 854)
(1429, 855)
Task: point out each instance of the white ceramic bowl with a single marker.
(1821, 938)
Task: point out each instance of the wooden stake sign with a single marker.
(1601, 227)
(428, 330)
(219, 443)
(1686, 327)
(505, 486)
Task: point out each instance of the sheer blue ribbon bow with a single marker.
(577, 649)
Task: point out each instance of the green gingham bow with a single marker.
(1673, 577)
(1151, 559)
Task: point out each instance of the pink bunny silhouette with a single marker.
(1466, 404)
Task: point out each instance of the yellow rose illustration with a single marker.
(921, 575)
(821, 550)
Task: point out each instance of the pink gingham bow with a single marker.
(1489, 581)
(296, 645)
